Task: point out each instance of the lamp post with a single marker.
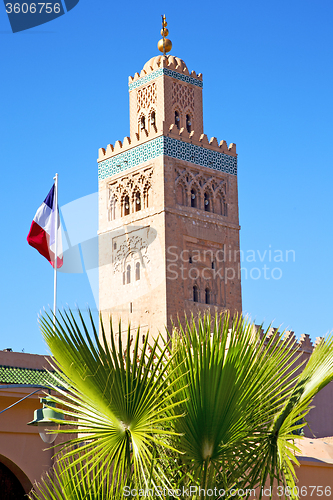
(43, 418)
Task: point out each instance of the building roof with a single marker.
(15, 375)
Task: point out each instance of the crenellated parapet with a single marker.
(180, 144)
(192, 137)
(164, 65)
(304, 344)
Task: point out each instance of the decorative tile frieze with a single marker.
(131, 158)
(199, 155)
(168, 72)
(171, 147)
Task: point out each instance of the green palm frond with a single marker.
(280, 452)
(218, 406)
(66, 482)
(240, 401)
(120, 397)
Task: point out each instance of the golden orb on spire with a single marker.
(164, 45)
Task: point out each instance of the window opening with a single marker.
(126, 205)
(137, 271)
(143, 123)
(152, 118)
(137, 201)
(188, 123)
(128, 274)
(207, 203)
(207, 296)
(177, 119)
(193, 198)
(195, 294)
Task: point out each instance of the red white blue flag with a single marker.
(43, 229)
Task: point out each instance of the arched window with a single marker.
(128, 274)
(207, 296)
(193, 198)
(188, 123)
(142, 123)
(177, 119)
(153, 119)
(126, 208)
(195, 294)
(207, 202)
(222, 206)
(113, 205)
(137, 271)
(137, 201)
(180, 195)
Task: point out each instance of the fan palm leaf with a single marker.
(242, 402)
(66, 482)
(120, 397)
(218, 407)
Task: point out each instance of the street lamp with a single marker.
(43, 419)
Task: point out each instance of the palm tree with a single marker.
(216, 408)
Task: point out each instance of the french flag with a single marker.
(42, 232)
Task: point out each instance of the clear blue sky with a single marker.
(267, 69)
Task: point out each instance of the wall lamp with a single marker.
(43, 417)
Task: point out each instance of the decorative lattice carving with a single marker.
(146, 96)
(182, 95)
(129, 185)
(214, 187)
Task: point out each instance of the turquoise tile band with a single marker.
(167, 72)
(171, 147)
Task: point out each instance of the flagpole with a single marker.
(56, 250)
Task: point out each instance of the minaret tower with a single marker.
(168, 205)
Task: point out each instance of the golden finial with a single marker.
(164, 45)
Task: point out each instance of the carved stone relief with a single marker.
(208, 188)
(146, 96)
(134, 244)
(131, 185)
(183, 95)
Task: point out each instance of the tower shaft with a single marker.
(168, 207)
